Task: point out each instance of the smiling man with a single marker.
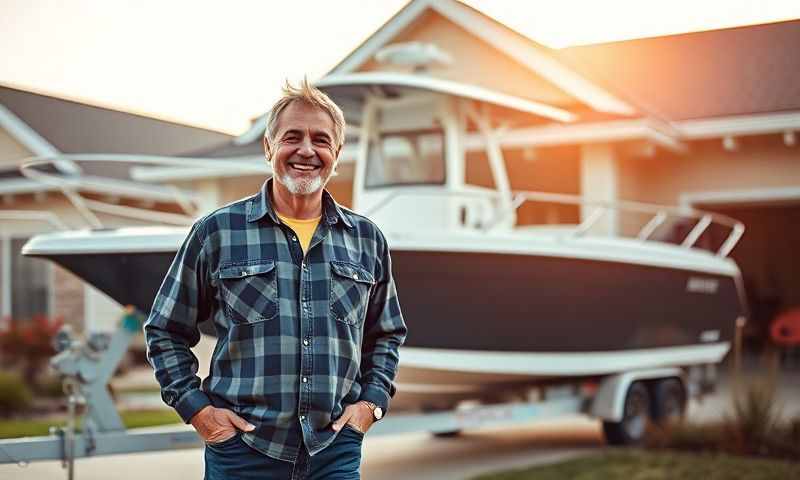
(301, 295)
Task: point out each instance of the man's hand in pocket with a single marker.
(216, 425)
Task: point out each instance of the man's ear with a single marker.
(267, 150)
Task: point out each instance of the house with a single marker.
(706, 120)
(47, 127)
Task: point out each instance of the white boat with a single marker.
(493, 307)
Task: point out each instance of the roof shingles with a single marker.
(735, 71)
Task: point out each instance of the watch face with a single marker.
(378, 413)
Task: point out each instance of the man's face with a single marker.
(303, 152)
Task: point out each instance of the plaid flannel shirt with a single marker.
(299, 338)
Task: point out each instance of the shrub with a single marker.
(15, 396)
(754, 426)
(29, 344)
(794, 430)
(755, 417)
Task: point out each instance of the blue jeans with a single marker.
(235, 460)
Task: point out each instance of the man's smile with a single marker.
(304, 167)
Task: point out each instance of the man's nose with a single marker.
(306, 149)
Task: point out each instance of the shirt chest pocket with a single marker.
(350, 289)
(249, 291)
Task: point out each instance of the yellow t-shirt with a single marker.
(303, 228)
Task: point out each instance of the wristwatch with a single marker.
(377, 412)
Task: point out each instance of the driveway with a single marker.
(418, 456)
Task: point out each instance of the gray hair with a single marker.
(312, 96)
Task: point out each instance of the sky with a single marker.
(218, 65)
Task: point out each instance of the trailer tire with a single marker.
(636, 417)
(669, 401)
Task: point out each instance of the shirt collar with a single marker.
(261, 205)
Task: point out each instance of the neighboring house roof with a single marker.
(734, 71)
(48, 126)
(74, 127)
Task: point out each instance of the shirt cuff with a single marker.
(377, 395)
(190, 403)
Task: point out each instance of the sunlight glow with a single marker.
(201, 64)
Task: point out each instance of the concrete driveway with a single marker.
(418, 456)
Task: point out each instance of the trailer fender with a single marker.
(609, 401)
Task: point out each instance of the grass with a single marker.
(138, 389)
(131, 419)
(642, 465)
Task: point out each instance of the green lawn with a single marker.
(640, 465)
(131, 419)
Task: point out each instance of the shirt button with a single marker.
(294, 239)
(305, 379)
(305, 341)
(302, 417)
(355, 275)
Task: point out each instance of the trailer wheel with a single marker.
(669, 402)
(632, 428)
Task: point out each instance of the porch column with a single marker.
(599, 182)
(102, 313)
(210, 196)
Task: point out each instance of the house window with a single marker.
(25, 282)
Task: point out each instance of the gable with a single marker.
(475, 60)
(538, 59)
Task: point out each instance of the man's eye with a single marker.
(290, 138)
(322, 141)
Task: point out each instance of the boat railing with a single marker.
(658, 214)
(43, 216)
(67, 176)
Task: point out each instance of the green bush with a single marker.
(15, 396)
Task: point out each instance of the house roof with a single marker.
(734, 71)
(535, 57)
(74, 127)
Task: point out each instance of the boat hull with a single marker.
(485, 325)
(530, 303)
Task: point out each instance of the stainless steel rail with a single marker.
(70, 180)
(660, 213)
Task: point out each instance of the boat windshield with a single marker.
(406, 158)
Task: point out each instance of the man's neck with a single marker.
(296, 206)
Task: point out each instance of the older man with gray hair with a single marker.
(301, 295)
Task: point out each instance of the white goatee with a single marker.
(302, 187)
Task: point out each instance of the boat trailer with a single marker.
(86, 366)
